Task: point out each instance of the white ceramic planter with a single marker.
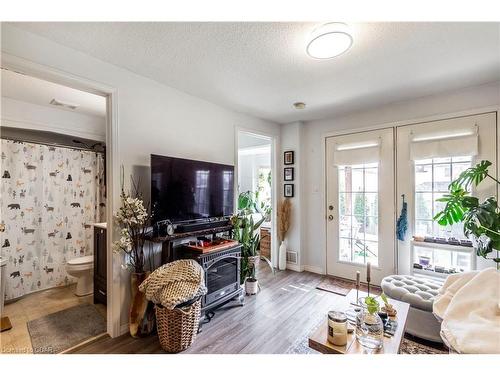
(282, 256)
(251, 286)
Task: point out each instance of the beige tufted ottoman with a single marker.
(419, 292)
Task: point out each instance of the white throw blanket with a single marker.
(469, 306)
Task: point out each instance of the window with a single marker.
(358, 213)
(264, 185)
(432, 177)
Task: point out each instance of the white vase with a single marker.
(282, 257)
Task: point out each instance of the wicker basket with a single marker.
(177, 328)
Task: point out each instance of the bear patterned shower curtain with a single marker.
(50, 196)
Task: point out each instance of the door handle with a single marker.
(330, 217)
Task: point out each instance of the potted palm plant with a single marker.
(246, 231)
(481, 220)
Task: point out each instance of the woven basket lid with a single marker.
(174, 283)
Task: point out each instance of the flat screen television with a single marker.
(184, 190)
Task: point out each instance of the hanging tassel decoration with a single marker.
(402, 223)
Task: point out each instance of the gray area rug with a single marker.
(408, 346)
(59, 331)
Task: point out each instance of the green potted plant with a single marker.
(481, 220)
(246, 231)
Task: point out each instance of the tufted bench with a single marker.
(419, 292)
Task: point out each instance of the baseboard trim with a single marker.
(124, 328)
(294, 267)
(314, 269)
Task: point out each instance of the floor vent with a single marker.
(291, 257)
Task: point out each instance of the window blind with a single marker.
(357, 153)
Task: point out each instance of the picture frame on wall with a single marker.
(288, 157)
(288, 174)
(288, 190)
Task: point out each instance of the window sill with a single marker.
(442, 246)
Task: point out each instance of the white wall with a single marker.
(152, 118)
(24, 115)
(291, 136)
(312, 146)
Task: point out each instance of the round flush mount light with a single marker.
(299, 105)
(329, 40)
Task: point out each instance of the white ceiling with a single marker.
(37, 91)
(262, 68)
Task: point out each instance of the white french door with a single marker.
(360, 204)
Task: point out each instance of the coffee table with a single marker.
(318, 340)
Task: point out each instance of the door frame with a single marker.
(48, 73)
(274, 182)
(391, 124)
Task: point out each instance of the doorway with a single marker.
(54, 151)
(360, 204)
(255, 183)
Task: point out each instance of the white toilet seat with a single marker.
(82, 268)
(81, 260)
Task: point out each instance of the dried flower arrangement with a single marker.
(284, 215)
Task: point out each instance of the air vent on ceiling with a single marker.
(291, 257)
(61, 103)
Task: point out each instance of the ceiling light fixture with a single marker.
(329, 40)
(299, 105)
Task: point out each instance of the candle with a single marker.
(357, 279)
(368, 272)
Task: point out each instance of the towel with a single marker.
(469, 306)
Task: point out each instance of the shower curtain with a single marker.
(50, 196)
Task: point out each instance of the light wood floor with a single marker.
(34, 306)
(287, 308)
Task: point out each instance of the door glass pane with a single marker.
(423, 177)
(345, 249)
(459, 168)
(345, 203)
(423, 206)
(358, 205)
(342, 179)
(371, 204)
(371, 179)
(357, 179)
(432, 178)
(442, 177)
(358, 214)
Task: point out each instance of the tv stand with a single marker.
(168, 253)
(197, 226)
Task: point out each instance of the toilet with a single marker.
(82, 268)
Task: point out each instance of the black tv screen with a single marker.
(188, 190)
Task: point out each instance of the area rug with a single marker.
(57, 332)
(408, 346)
(341, 286)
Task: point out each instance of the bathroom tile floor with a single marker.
(36, 305)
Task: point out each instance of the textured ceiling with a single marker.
(38, 91)
(261, 68)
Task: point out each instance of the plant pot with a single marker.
(141, 313)
(251, 286)
(282, 256)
